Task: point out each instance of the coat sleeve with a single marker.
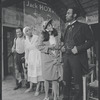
(88, 38)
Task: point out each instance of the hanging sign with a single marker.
(36, 12)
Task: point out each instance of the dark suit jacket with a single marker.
(83, 39)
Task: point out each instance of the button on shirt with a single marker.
(20, 45)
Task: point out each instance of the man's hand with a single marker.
(74, 50)
(13, 50)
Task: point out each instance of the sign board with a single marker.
(36, 12)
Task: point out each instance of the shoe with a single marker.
(46, 98)
(18, 86)
(36, 94)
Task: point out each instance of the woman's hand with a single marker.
(52, 47)
(55, 61)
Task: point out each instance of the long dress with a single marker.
(50, 65)
(33, 58)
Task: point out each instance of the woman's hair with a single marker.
(46, 34)
(54, 32)
(25, 29)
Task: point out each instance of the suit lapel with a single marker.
(65, 33)
(76, 28)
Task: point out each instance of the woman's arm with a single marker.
(26, 52)
(58, 45)
(43, 47)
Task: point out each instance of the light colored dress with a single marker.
(33, 58)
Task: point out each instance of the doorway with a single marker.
(8, 37)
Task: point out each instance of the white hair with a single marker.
(25, 29)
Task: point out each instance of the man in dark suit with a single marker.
(77, 39)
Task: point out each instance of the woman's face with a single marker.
(50, 27)
(29, 32)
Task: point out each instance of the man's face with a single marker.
(19, 33)
(69, 15)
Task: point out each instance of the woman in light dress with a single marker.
(33, 59)
(50, 57)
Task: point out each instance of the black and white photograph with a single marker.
(50, 49)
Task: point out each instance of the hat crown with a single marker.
(44, 23)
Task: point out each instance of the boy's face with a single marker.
(19, 33)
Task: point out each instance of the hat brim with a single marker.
(49, 22)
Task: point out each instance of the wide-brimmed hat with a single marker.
(46, 23)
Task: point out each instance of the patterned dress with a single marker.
(50, 60)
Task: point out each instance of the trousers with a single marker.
(72, 68)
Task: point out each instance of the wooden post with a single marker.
(84, 88)
(99, 49)
(0, 51)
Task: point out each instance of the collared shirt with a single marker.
(72, 22)
(20, 45)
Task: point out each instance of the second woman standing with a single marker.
(50, 57)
